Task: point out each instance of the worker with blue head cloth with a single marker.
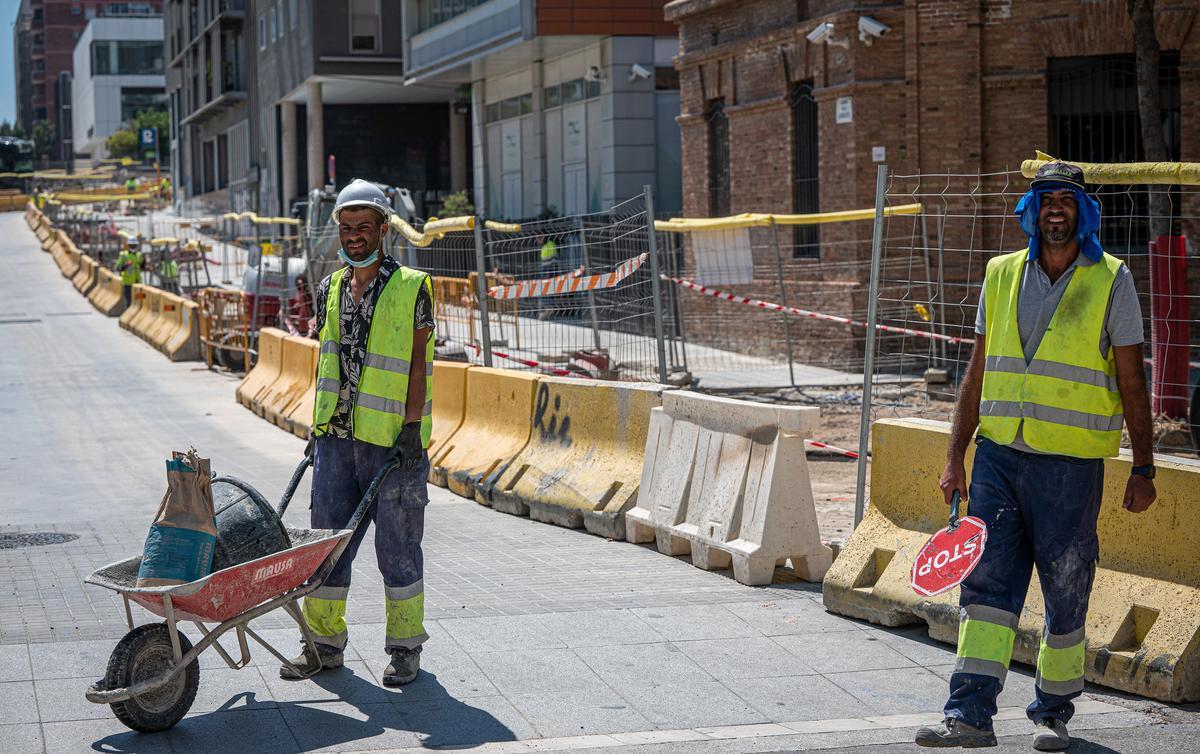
(1055, 373)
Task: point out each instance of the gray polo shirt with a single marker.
(1038, 298)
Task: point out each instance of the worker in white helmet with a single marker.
(374, 395)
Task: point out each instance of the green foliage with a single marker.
(457, 205)
(123, 143)
(18, 130)
(6, 128)
(43, 139)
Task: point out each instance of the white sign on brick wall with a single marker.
(845, 110)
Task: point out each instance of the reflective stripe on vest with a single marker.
(1065, 400)
(380, 403)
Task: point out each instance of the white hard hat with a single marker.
(362, 193)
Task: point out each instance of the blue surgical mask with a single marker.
(342, 255)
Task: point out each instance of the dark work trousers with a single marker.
(342, 471)
(1039, 510)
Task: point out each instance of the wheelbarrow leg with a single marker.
(244, 661)
(169, 609)
(128, 611)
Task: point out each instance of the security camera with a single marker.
(638, 72)
(821, 33)
(868, 28)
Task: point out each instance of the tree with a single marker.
(43, 139)
(457, 205)
(1154, 142)
(155, 119)
(6, 128)
(123, 143)
(18, 130)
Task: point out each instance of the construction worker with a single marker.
(374, 393)
(164, 189)
(131, 185)
(1056, 369)
(168, 272)
(129, 264)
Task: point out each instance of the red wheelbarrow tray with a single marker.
(226, 594)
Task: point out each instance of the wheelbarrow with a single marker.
(153, 673)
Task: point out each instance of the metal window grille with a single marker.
(806, 188)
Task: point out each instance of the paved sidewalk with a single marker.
(541, 638)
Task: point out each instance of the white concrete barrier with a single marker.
(727, 480)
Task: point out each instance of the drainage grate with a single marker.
(35, 539)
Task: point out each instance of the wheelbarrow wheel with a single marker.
(145, 653)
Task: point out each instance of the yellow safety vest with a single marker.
(1067, 395)
(133, 273)
(380, 405)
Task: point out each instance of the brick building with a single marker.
(774, 122)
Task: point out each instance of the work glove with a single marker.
(408, 445)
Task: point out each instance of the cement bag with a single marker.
(179, 547)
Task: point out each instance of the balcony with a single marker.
(230, 14)
(460, 36)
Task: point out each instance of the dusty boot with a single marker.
(308, 663)
(403, 668)
(1051, 735)
(951, 733)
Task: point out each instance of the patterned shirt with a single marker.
(355, 327)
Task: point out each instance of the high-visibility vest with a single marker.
(381, 403)
(170, 270)
(1067, 395)
(133, 273)
(549, 250)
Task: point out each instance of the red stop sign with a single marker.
(949, 556)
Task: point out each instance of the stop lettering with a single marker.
(948, 557)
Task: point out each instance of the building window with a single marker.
(39, 66)
(434, 12)
(262, 32)
(806, 188)
(666, 78)
(364, 26)
(566, 93)
(138, 99)
(718, 160)
(76, 10)
(293, 13)
(272, 15)
(127, 58)
(39, 40)
(512, 107)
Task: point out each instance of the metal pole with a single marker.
(941, 288)
(864, 422)
(655, 284)
(485, 332)
(787, 323)
(591, 295)
(933, 312)
(258, 278)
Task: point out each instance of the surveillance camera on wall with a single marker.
(823, 34)
(638, 72)
(869, 28)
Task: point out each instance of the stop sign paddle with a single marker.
(950, 554)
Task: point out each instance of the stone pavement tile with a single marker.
(690, 705)
(577, 713)
(894, 692)
(262, 731)
(346, 727)
(914, 643)
(599, 628)
(232, 689)
(25, 738)
(799, 615)
(453, 722)
(642, 665)
(102, 735)
(61, 699)
(353, 683)
(537, 671)
(490, 634)
(18, 702)
(447, 673)
(14, 663)
(843, 651)
(76, 659)
(787, 699)
(690, 622)
(754, 657)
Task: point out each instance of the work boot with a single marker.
(953, 732)
(403, 668)
(1051, 735)
(308, 663)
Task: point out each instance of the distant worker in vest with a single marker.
(131, 184)
(164, 189)
(374, 393)
(129, 265)
(168, 272)
(1056, 369)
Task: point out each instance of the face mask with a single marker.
(342, 255)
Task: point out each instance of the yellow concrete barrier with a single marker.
(137, 303)
(299, 359)
(583, 463)
(449, 402)
(43, 230)
(299, 417)
(107, 295)
(85, 275)
(1143, 622)
(183, 344)
(266, 367)
(167, 322)
(495, 429)
(71, 255)
(150, 312)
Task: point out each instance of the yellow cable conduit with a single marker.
(756, 219)
(1170, 173)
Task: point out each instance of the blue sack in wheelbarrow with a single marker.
(179, 546)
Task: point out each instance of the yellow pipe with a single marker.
(1110, 173)
(757, 219)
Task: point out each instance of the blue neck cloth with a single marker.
(342, 255)
(1087, 225)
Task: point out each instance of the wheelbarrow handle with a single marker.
(955, 504)
(297, 475)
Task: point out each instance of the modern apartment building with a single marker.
(44, 38)
(572, 102)
(118, 73)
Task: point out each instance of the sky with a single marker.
(8, 103)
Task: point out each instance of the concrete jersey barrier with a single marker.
(108, 296)
(183, 343)
(727, 480)
(1143, 622)
(583, 463)
(266, 368)
(299, 364)
(495, 429)
(137, 303)
(449, 402)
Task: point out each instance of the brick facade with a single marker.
(954, 87)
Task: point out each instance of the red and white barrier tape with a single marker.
(557, 372)
(832, 448)
(570, 282)
(725, 296)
